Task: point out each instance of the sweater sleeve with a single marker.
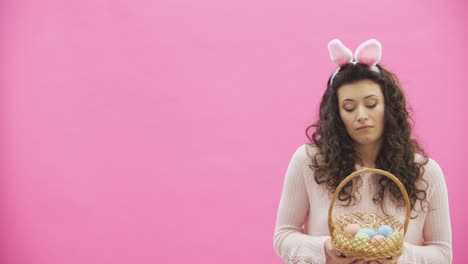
(289, 240)
(437, 232)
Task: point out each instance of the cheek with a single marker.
(347, 119)
(380, 116)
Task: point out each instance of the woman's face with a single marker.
(362, 110)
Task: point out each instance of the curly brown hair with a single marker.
(336, 156)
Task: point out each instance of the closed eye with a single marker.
(352, 109)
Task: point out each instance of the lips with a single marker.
(363, 127)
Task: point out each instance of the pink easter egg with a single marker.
(377, 239)
(352, 229)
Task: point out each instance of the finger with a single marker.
(342, 259)
(390, 260)
(332, 250)
(328, 248)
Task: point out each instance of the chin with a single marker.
(365, 141)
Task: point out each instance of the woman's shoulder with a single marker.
(433, 173)
(306, 151)
(430, 165)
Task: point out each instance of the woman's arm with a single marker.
(437, 231)
(289, 238)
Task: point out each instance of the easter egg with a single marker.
(385, 230)
(368, 231)
(377, 240)
(361, 235)
(352, 229)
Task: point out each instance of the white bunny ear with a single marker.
(339, 54)
(369, 52)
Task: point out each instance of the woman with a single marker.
(363, 123)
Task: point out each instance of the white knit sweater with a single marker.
(301, 225)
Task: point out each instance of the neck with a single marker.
(367, 154)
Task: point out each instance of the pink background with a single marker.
(160, 131)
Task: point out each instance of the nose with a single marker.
(362, 114)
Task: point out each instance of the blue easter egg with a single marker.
(385, 230)
(368, 231)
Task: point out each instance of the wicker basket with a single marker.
(362, 247)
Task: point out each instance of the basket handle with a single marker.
(355, 174)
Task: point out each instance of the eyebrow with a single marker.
(348, 99)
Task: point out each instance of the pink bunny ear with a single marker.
(369, 52)
(339, 54)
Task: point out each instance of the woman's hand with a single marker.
(333, 256)
(393, 260)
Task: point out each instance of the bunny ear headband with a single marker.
(369, 52)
